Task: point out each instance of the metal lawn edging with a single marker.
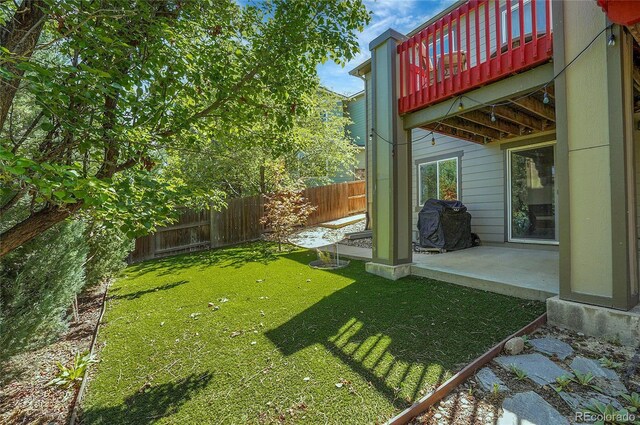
(78, 398)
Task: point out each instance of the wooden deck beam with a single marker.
(471, 127)
(519, 118)
(454, 132)
(537, 107)
(481, 118)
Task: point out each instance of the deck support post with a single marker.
(595, 162)
(391, 164)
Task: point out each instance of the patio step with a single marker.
(342, 222)
(476, 282)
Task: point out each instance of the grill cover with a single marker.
(444, 225)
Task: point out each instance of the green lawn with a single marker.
(283, 337)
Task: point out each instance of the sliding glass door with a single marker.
(532, 194)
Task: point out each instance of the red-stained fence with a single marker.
(479, 42)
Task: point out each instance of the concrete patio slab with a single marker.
(524, 273)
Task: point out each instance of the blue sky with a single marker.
(401, 15)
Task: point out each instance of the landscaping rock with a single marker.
(577, 401)
(529, 408)
(606, 379)
(585, 365)
(552, 346)
(487, 379)
(514, 346)
(538, 368)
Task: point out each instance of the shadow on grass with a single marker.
(149, 404)
(406, 336)
(138, 294)
(236, 257)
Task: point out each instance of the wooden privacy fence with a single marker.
(240, 221)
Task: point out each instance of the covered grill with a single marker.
(445, 225)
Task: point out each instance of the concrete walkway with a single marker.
(525, 273)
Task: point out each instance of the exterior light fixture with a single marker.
(460, 106)
(545, 99)
(612, 40)
(433, 141)
(493, 115)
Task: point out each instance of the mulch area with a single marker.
(25, 397)
(469, 404)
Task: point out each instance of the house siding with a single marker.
(356, 108)
(482, 181)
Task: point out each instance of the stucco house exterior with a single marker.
(525, 111)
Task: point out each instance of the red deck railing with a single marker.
(480, 42)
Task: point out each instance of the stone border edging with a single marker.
(443, 390)
(76, 401)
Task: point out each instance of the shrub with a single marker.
(284, 211)
(38, 282)
(108, 249)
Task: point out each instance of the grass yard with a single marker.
(288, 344)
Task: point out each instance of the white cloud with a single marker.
(401, 15)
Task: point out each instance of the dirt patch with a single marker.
(25, 397)
(469, 404)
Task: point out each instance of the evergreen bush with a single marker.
(108, 249)
(38, 282)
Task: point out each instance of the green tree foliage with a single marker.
(319, 149)
(96, 96)
(38, 282)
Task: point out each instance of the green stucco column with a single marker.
(391, 164)
(595, 169)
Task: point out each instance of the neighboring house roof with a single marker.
(356, 96)
(362, 69)
(341, 96)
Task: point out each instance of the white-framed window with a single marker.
(531, 196)
(438, 179)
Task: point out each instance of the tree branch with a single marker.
(34, 225)
(19, 37)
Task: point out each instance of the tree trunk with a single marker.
(33, 226)
(263, 186)
(19, 36)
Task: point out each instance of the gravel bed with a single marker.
(316, 236)
(469, 404)
(360, 243)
